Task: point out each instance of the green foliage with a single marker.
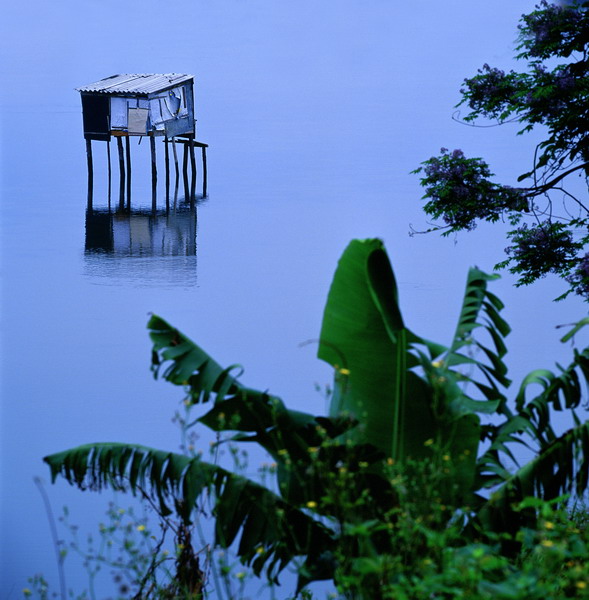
(552, 93)
(407, 465)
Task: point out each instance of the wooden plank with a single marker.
(196, 144)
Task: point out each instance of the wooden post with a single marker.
(128, 153)
(109, 170)
(167, 160)
(204, 171)
(121, 173)
(153, 174)
(175, 160)
(90, 172)
(185, 171)
(176, 170)
(193, 168)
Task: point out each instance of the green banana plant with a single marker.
(397, 398)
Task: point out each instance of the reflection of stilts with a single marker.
(189, 144)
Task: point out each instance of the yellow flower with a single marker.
(428, 442)
(140, 527)
(240, 575)
(27, 592)
(312, 449)
(581, 585)
(363, 464)
(282, 452)
(260, 550)
(390, 462)
(547, 543)
(121, 511)
(549, 525)
(311, 504)
(438, 363)
(344, 371)
(446, 457)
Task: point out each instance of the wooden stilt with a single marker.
(90, 172)
(121, 173)
(185, 171)
(128, 153)
(175, 160)
(193, 169)
(177, 172)
(204, 171)
(153, 174)
(167, 160)
(109, 171)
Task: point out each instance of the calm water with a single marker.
(315, 113)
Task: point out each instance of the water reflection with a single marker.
(142, 247)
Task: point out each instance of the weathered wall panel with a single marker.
(95, 110)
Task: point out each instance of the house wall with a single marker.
(95, 111)
(170, 113)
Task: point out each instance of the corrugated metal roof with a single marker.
(136, 83)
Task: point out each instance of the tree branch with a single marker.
(540, 189)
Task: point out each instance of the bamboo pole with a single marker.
(193, 169)
(204, 171)
(128, 153)
(176, 182)
(90, 172)
(167, 160)
(175, 160)
(185, 171)
(109, 171)
(153, 173)
(121, 173)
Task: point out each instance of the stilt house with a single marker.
(124, 105)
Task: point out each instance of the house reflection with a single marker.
(142, 233)
(142, 247)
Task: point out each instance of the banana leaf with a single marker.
(273, 532)
(386, 375)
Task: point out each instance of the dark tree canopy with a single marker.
(548, 213)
